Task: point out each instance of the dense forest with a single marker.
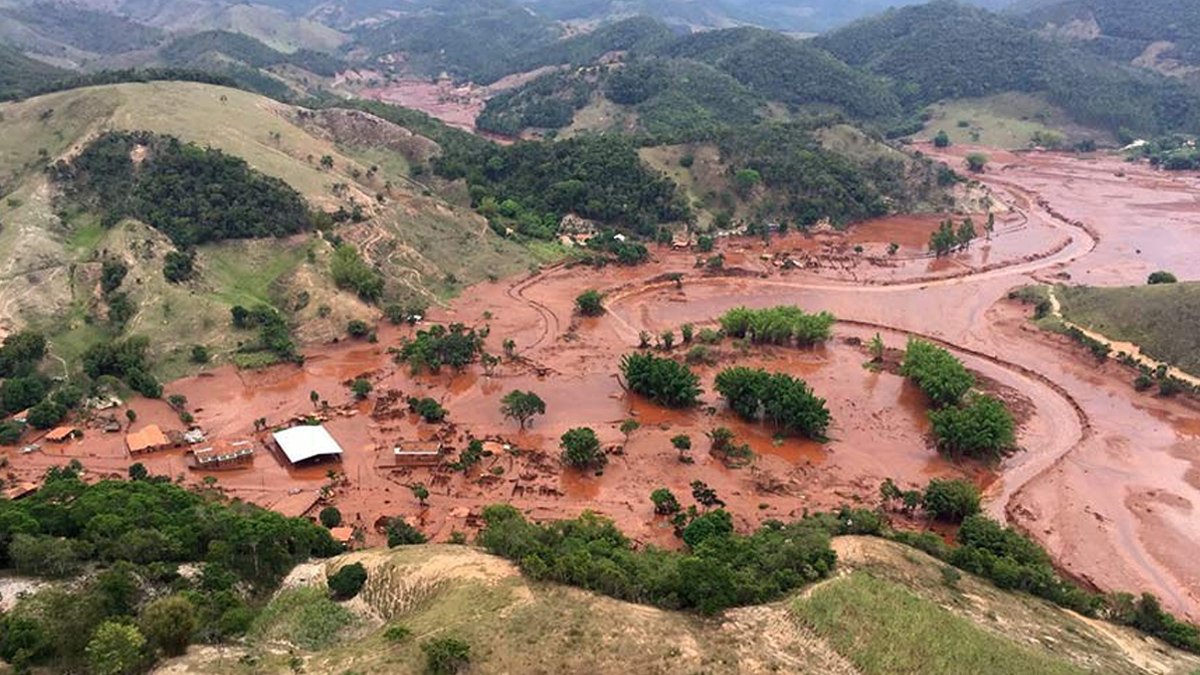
(673, 100)
(536, 184)
(191, 194)
(133, 537)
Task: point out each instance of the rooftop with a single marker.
(306, 442)
(149, 438)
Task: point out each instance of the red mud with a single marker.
(1108, 479)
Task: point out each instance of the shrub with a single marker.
(951, 500)
(1161, 277)
(168, 623)
(179, 267)
(400, 533)
(347, 581)
(10, 432)
(590, 303)
(662, 380)
(330, 517)
(428, 408)
(361, 388)
(199, 354)
(665, 503)
(581, 449)
(446, 656)
(980, 428)
(396, 634)
(358, 328)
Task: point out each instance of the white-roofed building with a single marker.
(304, 443)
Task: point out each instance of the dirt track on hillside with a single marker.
(1107, 479)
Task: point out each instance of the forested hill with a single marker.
(20, 75)
(947, 50)
(1124, 30)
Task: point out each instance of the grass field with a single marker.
(1005, 120)
(884, 628)
(1160, 319)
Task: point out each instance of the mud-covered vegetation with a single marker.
(132, 537)
(191, 194)
(662, 380)
(785, 402)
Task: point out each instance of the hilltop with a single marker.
(423, 246)
(888, 609)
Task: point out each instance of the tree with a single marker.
(137, 471)
(400, 533)
(581, 449)
(522, 406)
(704, 495)
(665, 503)
(590, 303)
(116, 649)
(705, 243)
(951, 500)
(326, 162)
(510, 348)
(687, 333)
(446, 656)
(314, 398)
(330, 517)
(1161, 277)
(981, 428)
(420, 492)
(667, 339)
(662, 380)
(745, 180)
(713, 524)
(45, 415)
(683, 444)
(357, 328)
(876, 348)
(942, 139)
(361, 388)
(347, 581)
(943, 378)
(628, 427)
(977, 162)
(179, 267)
(10, 432)
(966, 233)
(168, 623)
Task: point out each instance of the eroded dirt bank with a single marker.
(1107, 480)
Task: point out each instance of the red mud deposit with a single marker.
(1107, 479)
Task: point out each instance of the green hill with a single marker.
(1124, 31)
(20, 74)
(52, 252)
(1159, 319)
(888, 611)
(944, 50)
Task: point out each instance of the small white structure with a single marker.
(300, 444)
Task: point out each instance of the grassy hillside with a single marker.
(862, 621)
(50, 264)
(1008, 120)
(1160, 319)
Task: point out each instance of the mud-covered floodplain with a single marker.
(1108, 480)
